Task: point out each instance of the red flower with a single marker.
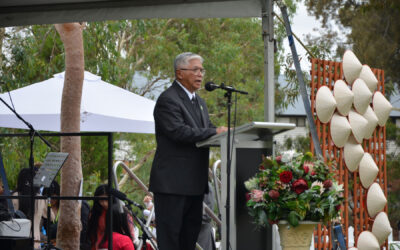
(248, 196)
(306, 169)
(272, 222)
(286, 176)
(313, 173)
(278, 159)
(327, 184)
(338, 207)
(308, 165)
(273, 194)
(261, 167)
(300, 186)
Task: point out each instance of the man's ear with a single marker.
(178, 74)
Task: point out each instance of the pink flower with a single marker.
(286, 176)
(299, 186)
(273, 194)
(308, 165)
(280, 185)
(257, 195)
(278, 159)
(327, 184)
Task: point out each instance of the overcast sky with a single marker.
(302, 24)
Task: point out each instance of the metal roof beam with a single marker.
(73, 11)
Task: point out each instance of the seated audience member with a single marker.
(54, 190)
(24, 186)
(3, 202)
(122, 239)
(148, 202)
(85, 210)
(96, 231)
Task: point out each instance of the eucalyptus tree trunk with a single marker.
(69, 224)
(2, 35)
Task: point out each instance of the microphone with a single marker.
(122, 197)
(210, 86)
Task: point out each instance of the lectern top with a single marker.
(253, 131)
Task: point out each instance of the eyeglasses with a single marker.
(196, 70)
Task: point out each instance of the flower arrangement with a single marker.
(293, 188)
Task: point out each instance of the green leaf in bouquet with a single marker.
(292, 204)
(293, 219)
(268, 162)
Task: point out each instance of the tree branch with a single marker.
(135, 168)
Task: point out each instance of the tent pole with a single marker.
(268, 37)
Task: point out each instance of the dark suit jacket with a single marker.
(179, 167)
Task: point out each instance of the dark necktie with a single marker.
(196, 108)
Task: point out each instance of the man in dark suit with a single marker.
(179, 175)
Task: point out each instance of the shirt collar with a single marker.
(190, 95)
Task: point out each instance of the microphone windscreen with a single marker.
(210, 86)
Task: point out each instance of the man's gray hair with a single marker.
(184, 58)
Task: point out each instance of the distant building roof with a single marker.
(294, 109)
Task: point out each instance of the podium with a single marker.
(250, 142)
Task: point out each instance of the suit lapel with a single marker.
(187, 103)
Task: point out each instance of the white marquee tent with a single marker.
(104, 107)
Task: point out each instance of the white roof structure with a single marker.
(27, 12)
(104, 107)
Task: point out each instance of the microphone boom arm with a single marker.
(232, 89)
(210, 86)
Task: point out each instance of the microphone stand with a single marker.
(32, 133)
(146, 235)
(228, 95)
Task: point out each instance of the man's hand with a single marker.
(221, 129)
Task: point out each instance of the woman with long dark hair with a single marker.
(98, 223)
(122, 238)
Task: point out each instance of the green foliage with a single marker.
(31, 54)
(293, 188)
(298, 144)
(93, 161)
